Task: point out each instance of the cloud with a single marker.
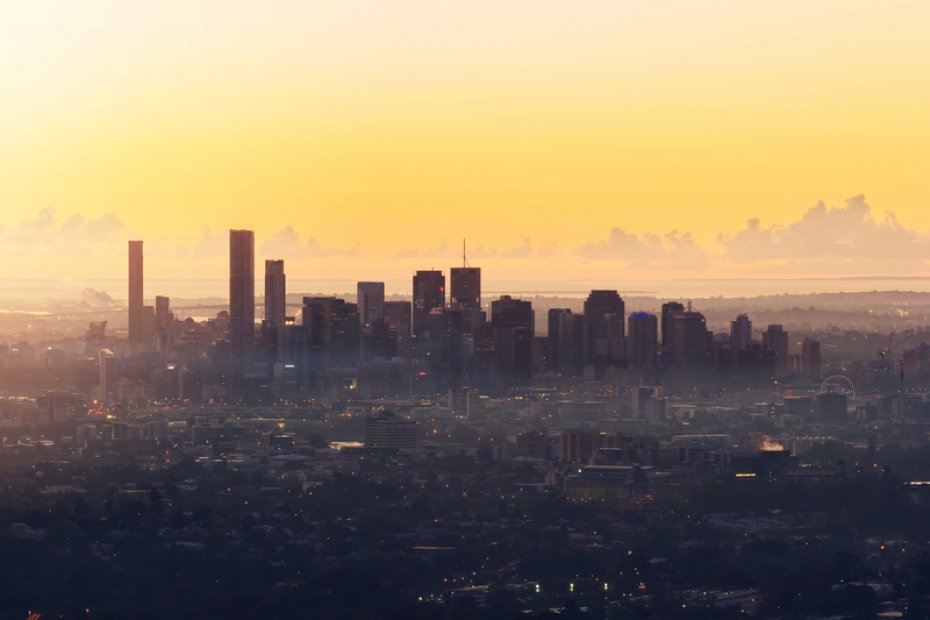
(207, 244)
(286, 243)
(836, 238)
(525, 249)
(428, 252)
(73, 234)
(649, 248)
(841, 241)
(91, 297)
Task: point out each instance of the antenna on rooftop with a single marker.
(464, 256)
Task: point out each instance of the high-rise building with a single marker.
(370, 298)
(163, 322)
(108, 366)
(740, 335)
(810, 359)
(275, 293)
(669, 310)
(429, 293)
(397, 317)
(689, 339)
(241, 298)
(514, 327)
(135, 292)
(332, 332)
(466, 287)
(274, 335)
(508, 312)
(559, 339)
(648, 404)
(604, 313)
(775, 339)
(642, 340)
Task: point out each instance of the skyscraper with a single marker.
(163, 322)
(775, 339)
(275, 293)
(135, 292)
(604, 313)
(241, 297)
(642, 340)
(508, 312)
(429, 293)
(740, 335)
(370, 298)
(466, 287)
(810, 359)
(669, 310)
(560, 356)
(513, 322)
(397, 317)
(108, 367)
(332, 330)
(689, 339)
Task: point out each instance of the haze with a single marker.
(631, 139)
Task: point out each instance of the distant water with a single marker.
(21, 290)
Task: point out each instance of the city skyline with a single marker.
(517, 310)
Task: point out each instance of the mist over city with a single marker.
(457, 311)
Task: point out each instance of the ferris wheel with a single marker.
(838, 384)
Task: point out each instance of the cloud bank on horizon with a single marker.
(842, 240)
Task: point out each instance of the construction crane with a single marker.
(892, 345)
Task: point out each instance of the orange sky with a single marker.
(382, 133)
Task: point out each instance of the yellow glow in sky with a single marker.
(394, 129)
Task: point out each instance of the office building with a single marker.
(642, 340)
(429, 294)
(740, 336)
(466, 287)
(108, 367)
(669, 311)
(513, 323)
(810, 359)
(604, 313)
(386, 430)
(689, 346)
(332, 332)
(370, 299)
(136, 300)
(275, 293)
(241, 298)
(775, 339)
(559, 340)
(647, 404)
(164, 322)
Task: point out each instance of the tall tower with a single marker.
(740, 335)
(135, 292)
(429, 293)
(466, 284)
(466, 287)
(370, 300)
(642, 339)
(775, 339)
(689, 338)
(275, 293)
(810, 359)
(241, 297)
(604, 312)
(669, 310)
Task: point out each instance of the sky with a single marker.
(364, 139)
